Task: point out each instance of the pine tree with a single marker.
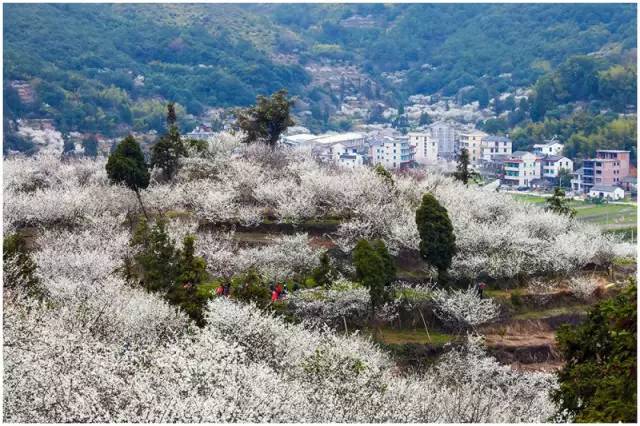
(437, 240)
(267, 120)
(126, 166)
(167, 151)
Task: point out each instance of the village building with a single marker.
(425, 147)
(472, 142)
(606, 192)
(549, 147)
(521, 169)
(392, 153)
(608, 168)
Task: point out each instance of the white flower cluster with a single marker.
(583, 287)
(464, 308)
(344, 302)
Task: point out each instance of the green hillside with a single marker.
(83, 60)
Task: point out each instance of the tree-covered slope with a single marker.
(83, 60)
(87, 57)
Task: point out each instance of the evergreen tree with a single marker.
(559, 204)
(90, 146)
(193, 272)
(267, 120)
(166, 152)
(462, 173)
(374, 269)
(126, 166)
(157, 258)
(323, 274)
(598, 382)
(437, 240)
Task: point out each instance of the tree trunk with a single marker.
(142, 205)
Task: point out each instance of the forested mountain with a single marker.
(105, 68)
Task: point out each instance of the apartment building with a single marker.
(392, 153)
(552, 165)
(472, 142)
(609, 167)
(445, 135)
(521, 169)
(425, 147)
(494, 145)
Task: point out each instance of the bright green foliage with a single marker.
(266, 121)
(558, 204)
(598, 383)
(463, 173)
(126, 165)
(619, 85)
(437, 241)
(249, 287)
(19, 268)
(374, 269)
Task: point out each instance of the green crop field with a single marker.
(611, 217)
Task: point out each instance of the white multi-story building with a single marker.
(445, 135)
(520, 169)
(349, 156)
(472, 142)
(426, 148)
(493, 145)
(550, 147)
(552, 164)
(392, 153)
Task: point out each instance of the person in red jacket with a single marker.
(274, 296)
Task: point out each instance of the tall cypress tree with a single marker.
(437, 241)
(166, 152)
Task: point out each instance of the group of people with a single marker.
(278, 291)
(223, 289)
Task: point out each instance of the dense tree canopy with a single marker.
(598, 383)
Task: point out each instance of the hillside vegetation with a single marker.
(83, 59)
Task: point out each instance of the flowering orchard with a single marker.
(100, 349)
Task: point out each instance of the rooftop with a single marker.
(339, 137)
(494, 138)
(604, 188)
